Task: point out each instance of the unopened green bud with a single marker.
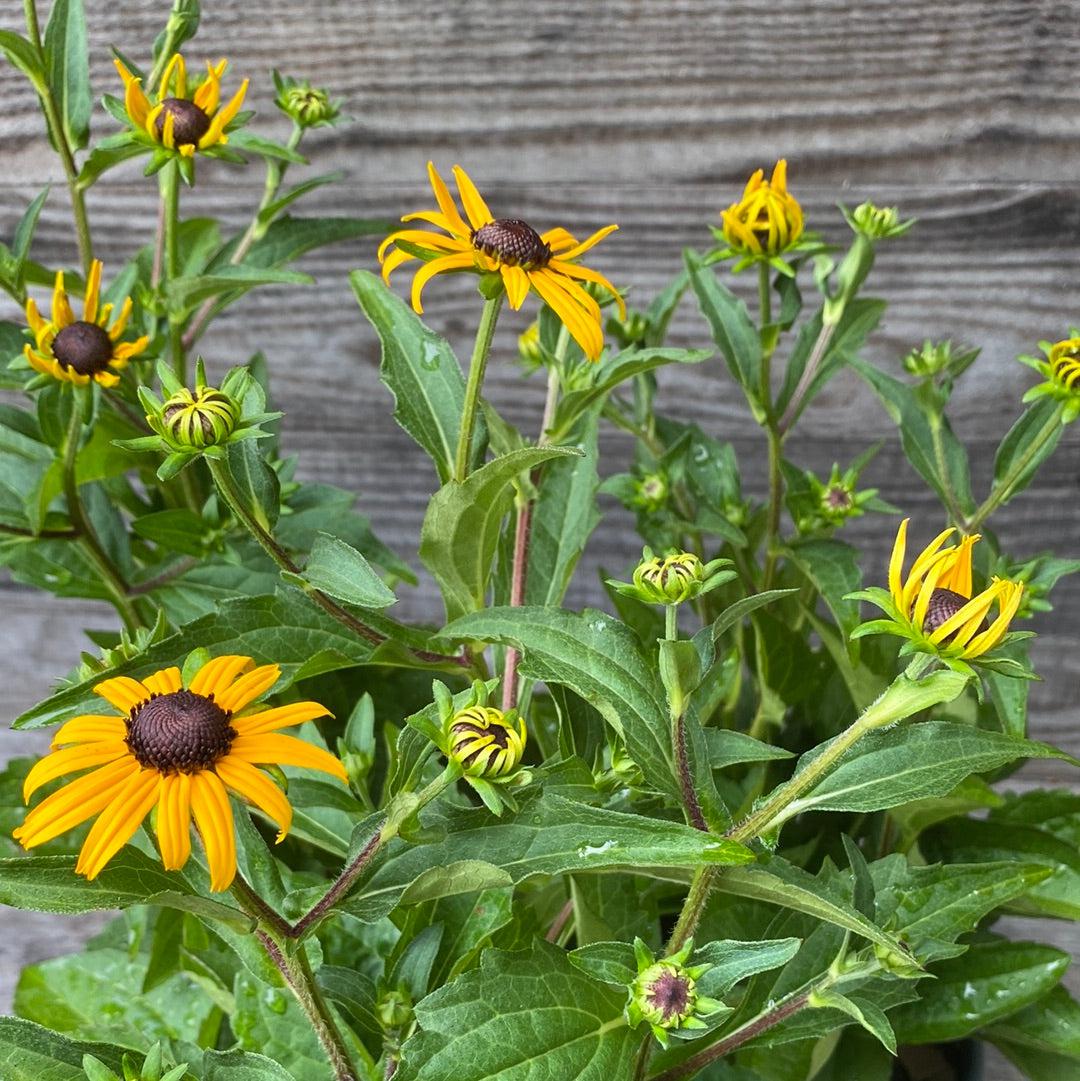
(650, 492)
(394, 1009)
(629, 331)
(669, 579)
(308, 105)
(878, 222)
(899, 962)
(201, 418)
(486, 742)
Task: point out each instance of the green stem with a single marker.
(952, 505)
(61, 145)
(1003, 491)
(170, 204)
(231, 494)
(764, 306)
(772, 812)
(484, 333)
(275, 174)
(671, 622)
(776, 495)
(84, 530)
(692, 908)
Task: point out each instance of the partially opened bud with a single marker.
(486, 742)
(669, 579)
(201, 418)
(878, 222)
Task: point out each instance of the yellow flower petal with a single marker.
(559, 239)
(585, 245)
(922, 602)
(116, 825)
(974, 611)
(516, 282)
(123, 692)
(71, 759)
(922, 562)
(420, 239)
(177, 67)
(174, 820)
(218, 674)
(62, 315)
(73, 804)
(475, 208)
(896, 564)
(168, 131)
(258, 789)
(164, 682)
(446, 203)
(248, 687)
(215, 133)
(33, 317)
(214, 817)
(958, 576)
(89, 729)
(572, 270)
(393, 261)
(275, 749)
(270, 720)
(459, 261)
(208, 95)
(583, 329)
(121, 320)
(93, 292)
(990, 638)
(440, 221)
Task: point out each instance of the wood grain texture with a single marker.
(648, 113)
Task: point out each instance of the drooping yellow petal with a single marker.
(174, 820)
(393, 261)
(446, 202)
(168, 130)
(458, 261)
(62, 315)
(69, 760)
(73, 804)
(276, 749)
(896, 564)
(116, 825)
(151, 121)
(257, 788)
(218, 674)
(93, 292)
(163, 682)
(123, 692)
(248, 687)
(420, 239)
(270, 720)
(516, 282)
(583, 329)
(989, 638)
(214, 817)
(572, 270)
(89, 729)
(475, 208)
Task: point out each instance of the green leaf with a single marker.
(1043, 1040)
(24, 56)
(991, 980)
(735, 613)
(780, 883)
(340, 570)
(106, 154)
(461, 527)
(186, 292)
(421, 372)
(733, 961)
(272, 210)
(242, 1066)
(732, 328)
(24, 233)
(728, 747)
(617, 370)
(932, 906)
(899, 765)
(563, 519)
(550, 835)
(866, 1013)
(264, 148)
(833, 568)
(931, 448)
(98, 995)
(29, 1052)
(599, 659)
(517, 1011)
(1027, 444)
(288, 238)
(258, 483)
(67, 61)
(180, 530)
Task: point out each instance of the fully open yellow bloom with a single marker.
(525, 259)
(767, 220)
(78, 350)
(182, 117)
(935, 597)
(177, 749)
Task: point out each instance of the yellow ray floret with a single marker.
(179, 751)
(525, 260)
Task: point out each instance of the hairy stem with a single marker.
(85, 536)
(560, 921)
(484, 334)
(229, 492)
(61, 144)
(692, 909)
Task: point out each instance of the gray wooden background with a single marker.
(649, 113)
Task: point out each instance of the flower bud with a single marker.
(630, 331)
(394, 1009)
(485, 741)
(529, 347)
(650, 492)
(878, 223)
(307, 105)
(670, 579)
(767, 221)
(201, 418)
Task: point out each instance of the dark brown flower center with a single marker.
(83, 347)
(944, 604)
(190, 123)
(670, 994)
(181, 732)
(513, 242)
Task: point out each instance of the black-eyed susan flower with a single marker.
(78, 350)
(1061, 372)
(525, 260)
(765, 223)
(177, 751)
(186, 115)
(673, 578)
(934, 605)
